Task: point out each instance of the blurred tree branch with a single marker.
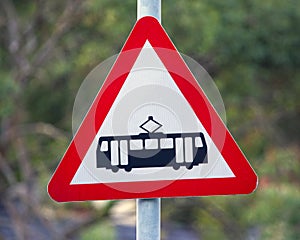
(27, 53)
(7, 171)
(26, 65)
(14, 37)
(68, 18)
(43, 128)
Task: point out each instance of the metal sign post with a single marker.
(148, 210)
(148, 219)
(149, 8)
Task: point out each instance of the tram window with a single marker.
(188, 149)
(151, 143)
(166, 143)
(104, 146)
(136, 144)
(198, 142)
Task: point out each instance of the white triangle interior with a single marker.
(150, 90)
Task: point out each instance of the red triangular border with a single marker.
(148, 28)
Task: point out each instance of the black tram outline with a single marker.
(157, 155)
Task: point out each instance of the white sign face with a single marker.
(150, 119)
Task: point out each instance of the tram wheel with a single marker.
(128, 169)
(115, 169)
(176, 167)
(190, 167)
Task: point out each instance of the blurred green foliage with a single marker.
(250, 48)
(100, 232)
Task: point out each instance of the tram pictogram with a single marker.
(151, 149)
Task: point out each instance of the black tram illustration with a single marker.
(151, 149)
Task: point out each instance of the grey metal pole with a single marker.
(148, 210)
(148, 219)
(149, 8)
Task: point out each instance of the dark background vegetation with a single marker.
(251, 48)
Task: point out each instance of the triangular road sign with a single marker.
(151, 132)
